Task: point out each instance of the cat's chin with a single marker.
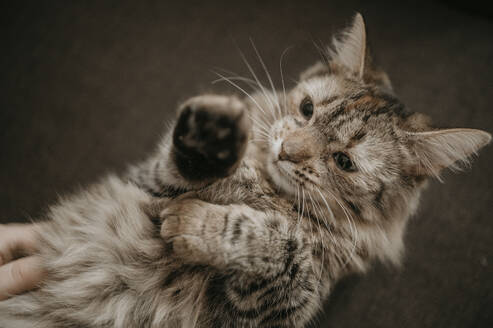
(280, 177)
(278, 171)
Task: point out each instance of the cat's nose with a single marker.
(294, 149)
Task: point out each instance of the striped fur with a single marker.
(245, 215)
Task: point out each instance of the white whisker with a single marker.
(320, 234)
(282, 77)
(298, 193)
(350, 219)
(268, 77)
(323, 53)
(252, 72)
(324, 220)
(241, 89)
(260, 124)
(250, 82)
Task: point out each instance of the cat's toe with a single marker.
(210, 136)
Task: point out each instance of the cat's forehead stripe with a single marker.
(360, 134)
(367, 104)
(327, 101)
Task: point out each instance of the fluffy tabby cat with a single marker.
(263, 204)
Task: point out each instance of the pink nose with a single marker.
(293, 149)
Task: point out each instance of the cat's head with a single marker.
(348, 143)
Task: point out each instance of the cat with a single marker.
(250, 210)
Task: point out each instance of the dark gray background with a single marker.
(86, 87)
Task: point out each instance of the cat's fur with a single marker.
(265, 221)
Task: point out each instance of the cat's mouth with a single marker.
(279, 175)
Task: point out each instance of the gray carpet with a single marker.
(87, 85)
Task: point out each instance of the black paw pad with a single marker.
(209, 141)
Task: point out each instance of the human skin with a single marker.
(19, 270)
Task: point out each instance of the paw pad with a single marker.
(210, 136)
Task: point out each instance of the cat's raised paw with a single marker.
(210, 136)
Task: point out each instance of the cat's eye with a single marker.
(344, 162)
(306, 108)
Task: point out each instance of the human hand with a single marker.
(19, 271)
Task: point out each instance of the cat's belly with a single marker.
(106, 267)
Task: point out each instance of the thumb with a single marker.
(19, 276)
(16, 240)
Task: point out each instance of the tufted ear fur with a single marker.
(447, 148)
(349, 48)
(350, 51)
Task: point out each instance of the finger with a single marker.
(20, 276)
(15, 239)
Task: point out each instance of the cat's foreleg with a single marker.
(207, 143)
(231, 237)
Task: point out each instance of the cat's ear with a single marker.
(446, 148)
(349, 48)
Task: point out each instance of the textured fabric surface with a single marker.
(87, 86)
